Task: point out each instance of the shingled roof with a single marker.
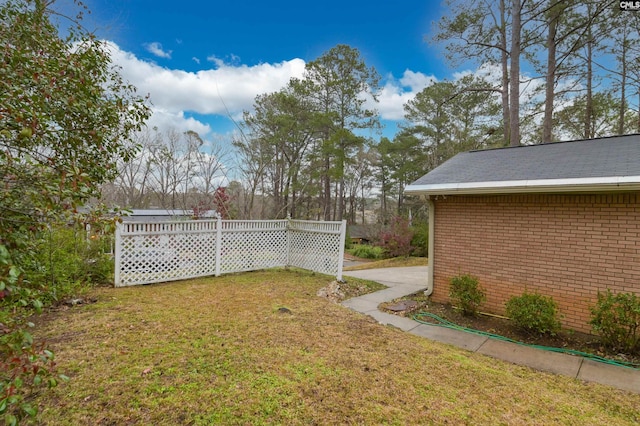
(604, 164)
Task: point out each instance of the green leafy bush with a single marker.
(465, 292)
(616, 318)
(534, 313)
(25, 366)
(420, 240)
(367, 252)
(66, 261)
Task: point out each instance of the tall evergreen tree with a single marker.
(338, 84)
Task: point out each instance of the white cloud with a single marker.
(224, 91)
(489, 72)
(164, 120)
(416, 81)
(397, 92)
(216, 61)
(227, 90)
(155, 48)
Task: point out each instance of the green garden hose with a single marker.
(441, 322)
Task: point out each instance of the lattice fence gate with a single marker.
(150, 252)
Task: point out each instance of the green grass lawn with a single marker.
(221, 351)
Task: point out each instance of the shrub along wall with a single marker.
(568, 247)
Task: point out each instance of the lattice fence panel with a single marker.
(165, 251)
(318, 246)
(252, 245)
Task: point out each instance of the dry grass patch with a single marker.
(221, 351)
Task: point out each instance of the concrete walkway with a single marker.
(409, 280)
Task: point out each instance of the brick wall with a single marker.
(565, 246)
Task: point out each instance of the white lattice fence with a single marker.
(156, 252)
(312, 245)
(249, 245)
(164, 251)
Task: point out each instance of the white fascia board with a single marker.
(592, 184)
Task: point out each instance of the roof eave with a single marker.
(597, 184)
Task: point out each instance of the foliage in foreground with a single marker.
(222, 351)
(616, 318)
(24, 366)
(534, 313)
(65, 118)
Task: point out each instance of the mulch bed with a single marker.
(503, 327)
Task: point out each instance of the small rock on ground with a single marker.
(332, 292)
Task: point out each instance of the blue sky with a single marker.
(205, 61)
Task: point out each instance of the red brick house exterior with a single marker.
(562, 221)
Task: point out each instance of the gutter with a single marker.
(594, 184)
(431, 244)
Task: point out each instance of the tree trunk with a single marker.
(623, 84)
(341, 192)
(383, 193)
(514, 81)
(504, 62)
(340, 198)
(327, 189)
(547, 123)
(588, 133)
(364, 205)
